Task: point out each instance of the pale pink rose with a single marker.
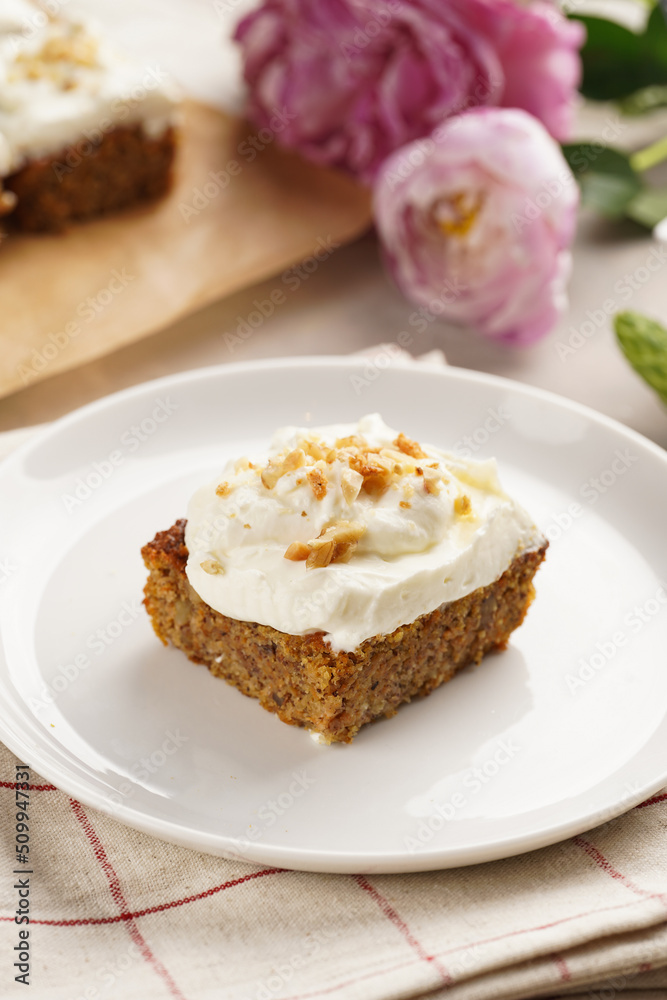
(476, 222)
(346, 82)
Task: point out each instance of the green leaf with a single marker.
(644, 343)
(611, 57)
(654, 40)
(649, 207)
(644, 101)
(618, 62)
(605, 175)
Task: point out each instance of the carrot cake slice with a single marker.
(83, 131)
(347, 571)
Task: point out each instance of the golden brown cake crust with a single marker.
(300, 678)
(89, 179)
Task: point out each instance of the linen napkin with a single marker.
(114, 913)
(117, 914)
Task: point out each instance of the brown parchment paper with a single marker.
(229, 221)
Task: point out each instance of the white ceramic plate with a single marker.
(565, 729)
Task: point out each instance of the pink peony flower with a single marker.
(356, 79)
(540, 60)
(476, 223)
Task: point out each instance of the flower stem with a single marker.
(644, 159)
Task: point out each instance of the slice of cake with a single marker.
(82, 130)
(349, 570)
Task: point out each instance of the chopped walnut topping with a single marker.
(318, 482)
(76, 47)
(462, 505)
(409, 447)
(293, 460)
(350, 484)
(376, 483)
(400, 464)
(352, 441)
(377, 472)
(212, 567)
(320, 553)
(276, 469)
(311, 447)
(335, 543)
(432, 482)
(56, 58)
(297, 551)
(223, 490)
(271, 474)
(372, 470)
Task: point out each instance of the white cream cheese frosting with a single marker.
(349, 529)
(63, 83)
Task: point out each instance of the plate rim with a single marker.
(298, 858)
(44, 431)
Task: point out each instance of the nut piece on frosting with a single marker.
(364, 467)
(336, 542)
(409, 447)
(400, 527)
